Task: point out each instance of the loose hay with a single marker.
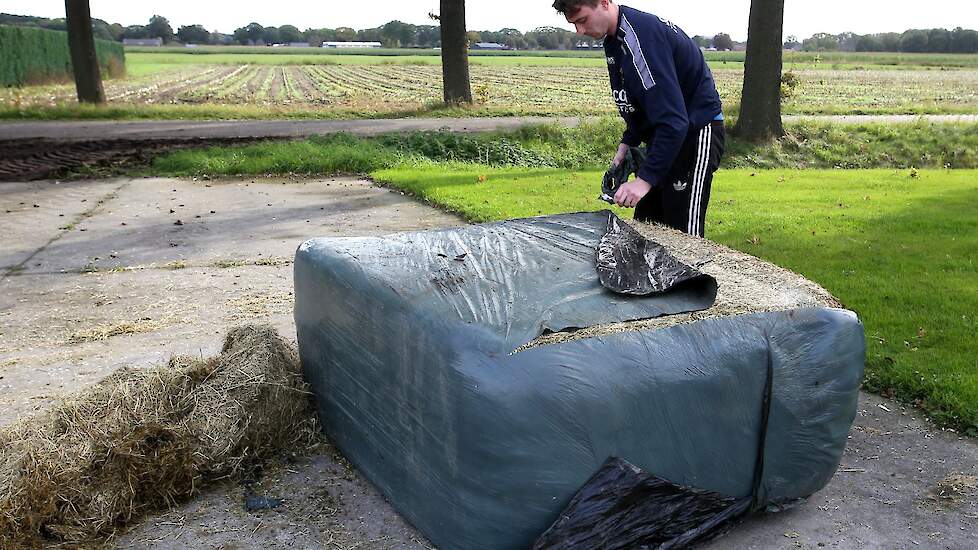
(147, 438)
(255, 305)
(955, 488)
(106, 331)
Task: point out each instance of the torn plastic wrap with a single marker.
(628, 263)
(621, 508)
(406, 341)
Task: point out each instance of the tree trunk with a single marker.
(454, 53)
(81, 43)
(760, 104)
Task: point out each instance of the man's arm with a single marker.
(629, 138)
(665, 107)
(653, 66)
(663, 104)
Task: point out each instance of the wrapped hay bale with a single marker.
(479, 376)
(146, 438)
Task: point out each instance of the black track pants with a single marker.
(680, 200)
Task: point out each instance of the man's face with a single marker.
(592, 22)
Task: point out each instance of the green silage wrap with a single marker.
(407, 342)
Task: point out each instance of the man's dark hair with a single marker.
(565, 7)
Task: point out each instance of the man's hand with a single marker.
(620, 155)
(632, 192)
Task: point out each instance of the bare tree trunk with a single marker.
(454, 53)
(760, 104)
(81, 43)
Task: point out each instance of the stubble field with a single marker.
(344, 86)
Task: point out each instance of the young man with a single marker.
(665, 92)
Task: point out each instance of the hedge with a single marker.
(34, 56)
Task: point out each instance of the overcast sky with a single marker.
(706, 17)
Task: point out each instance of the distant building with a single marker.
(352, 44)
(298, 44)
(488, 46)
(154, 42)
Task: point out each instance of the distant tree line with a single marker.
(912, 41)
(397, 34)
(721, 42)
(394, 34)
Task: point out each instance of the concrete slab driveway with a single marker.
(101, 274)
(104, 273)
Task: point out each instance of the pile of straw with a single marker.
(148, 438)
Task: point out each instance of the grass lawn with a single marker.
(901, 251)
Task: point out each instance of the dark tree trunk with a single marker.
(760, 104)
(454, 53)
(81, 43)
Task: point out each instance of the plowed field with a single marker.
(375, 89)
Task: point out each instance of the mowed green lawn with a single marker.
(899, 249)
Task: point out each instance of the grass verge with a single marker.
(808, 145)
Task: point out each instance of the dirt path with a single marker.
(211, 129)
(30, 159)
(95, 275)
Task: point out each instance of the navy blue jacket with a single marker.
(662, 86)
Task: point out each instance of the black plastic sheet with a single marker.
(618, 174)
(623, 508)
(628, 263)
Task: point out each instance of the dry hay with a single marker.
(955, 488)
(148, 438)
(99, 332)
(745, 285)
(253, 305)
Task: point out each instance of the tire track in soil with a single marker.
(373, 90)
(328, 83)
(252, 87)
(152, 91)
(304, 83)
(293, 95)
(172, 94)
(206, 94)
(268, 78)
(276, 91)
(231, 92)
(25, 160)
